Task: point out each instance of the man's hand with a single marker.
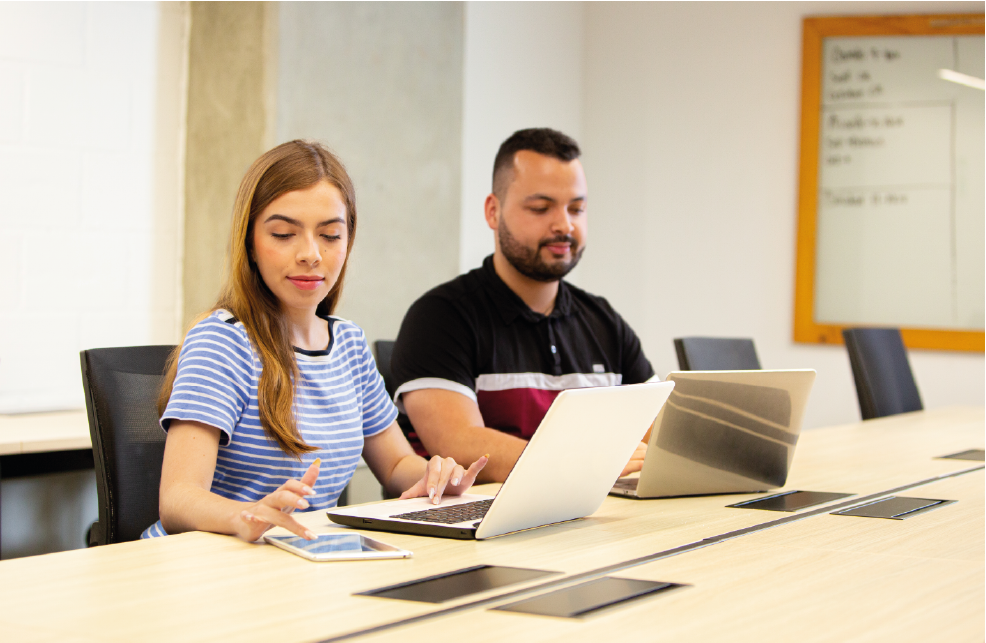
(636, 462)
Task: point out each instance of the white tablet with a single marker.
(337, 546)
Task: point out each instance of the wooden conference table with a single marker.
(748, 574)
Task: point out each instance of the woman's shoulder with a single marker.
(220, 328)
(344, 328)
(348, 339)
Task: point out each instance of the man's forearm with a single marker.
(468, 443)
(449, 424)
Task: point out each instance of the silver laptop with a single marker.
(565, 472)
(723, 432)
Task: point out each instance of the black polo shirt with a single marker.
(475, 336)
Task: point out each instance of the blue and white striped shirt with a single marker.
(340, 400)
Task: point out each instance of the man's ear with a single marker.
(491, 209)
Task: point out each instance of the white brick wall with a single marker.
(86, 258)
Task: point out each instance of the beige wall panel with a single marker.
(169, 171)
(381, 85)
(226, 132)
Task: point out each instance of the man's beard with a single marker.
(528, 262)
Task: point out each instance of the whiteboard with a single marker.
(900, 192)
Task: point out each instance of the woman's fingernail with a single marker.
(431, 493)
(487, 456)
(309, 535)
(302, 503)
(455, 482)
(308, 490)
(246, 515)
(318, 462)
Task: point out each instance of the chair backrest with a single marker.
(716, 354)
(383, 349)
(121, 387)
(884, 381)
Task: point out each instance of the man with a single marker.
(479, 359)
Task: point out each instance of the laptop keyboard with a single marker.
(450, 515)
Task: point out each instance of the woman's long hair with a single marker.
(296, 165)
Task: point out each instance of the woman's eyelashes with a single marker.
(288, 235)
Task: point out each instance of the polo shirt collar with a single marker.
(512, 306)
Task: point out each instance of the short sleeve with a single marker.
(215, 369)
(636, 367)
(435, 348)
(379, 411)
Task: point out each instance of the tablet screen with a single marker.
(327, 543)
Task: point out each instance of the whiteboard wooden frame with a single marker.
(815, 31)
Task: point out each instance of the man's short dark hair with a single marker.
(542, 140)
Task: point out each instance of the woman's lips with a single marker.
(306, 283)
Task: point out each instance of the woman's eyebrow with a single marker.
(287, 219)
(281, 217)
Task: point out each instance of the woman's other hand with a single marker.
(443, 476)
(275, 509)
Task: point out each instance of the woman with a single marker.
(269, 385)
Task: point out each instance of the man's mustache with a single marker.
(564, 238)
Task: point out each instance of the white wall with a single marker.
(85, 251)
(522, 68)
(691, 136)
(688, 117)
(91, 104)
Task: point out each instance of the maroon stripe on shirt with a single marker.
(517, 411)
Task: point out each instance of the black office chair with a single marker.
(884, 381)
(382, 350)
(716, 354)
(121, 387)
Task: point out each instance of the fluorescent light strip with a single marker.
(962, 79)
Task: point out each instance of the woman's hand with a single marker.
(275, 509)
(443, 475)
